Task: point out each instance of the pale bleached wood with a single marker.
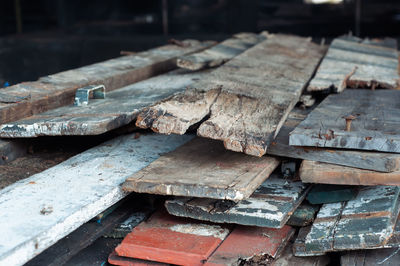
(40, 210)
(59, 89)
(353, 62)
(203, 168)
(120, 107)
(220, 53)
(375, 126)
(247, 99)
(325, 173)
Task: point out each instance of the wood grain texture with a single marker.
(324, 173)
(48, 206)
(247, 99)
(120, 107)
(59, 89)
(220, 53)
(375, 125)
(271, 205)
(384, 257)
(203, 168)
(355, 63)
(377, 161)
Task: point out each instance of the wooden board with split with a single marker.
(355, 63)
(119, 108)
(220, 53)
(247, 99)
(30, 98)
(353, 119)
(49, 205)
(270, 205)
(366, 222)
(203, 168)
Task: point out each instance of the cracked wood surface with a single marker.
(203, 168)
(119, 108)
(220, 53)
(324, 173)
(245, 101)
(377, 161)
(271, 205)
(366, 222)
(375, 125)
(30, 98)
(355, 63)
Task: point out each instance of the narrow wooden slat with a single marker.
(220, 53)
(377, 161)
(59, 89)
(353, 62)
(324, 173)
(47, 206)
(247, 99)
(203, 168)
(120, 107)
(271, 205)
(374, 126)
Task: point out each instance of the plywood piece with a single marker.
(168, 239)
(356, 63)
(220, 53)
(384, 257)
(375, 125)
(203, 168)
(324, 173)
(247, 99)
(246, 242)
(367, 222)
(120, 107)
(30, 98)
(271, 205)
(47, 206)
(377, 161)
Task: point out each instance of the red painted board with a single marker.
(245, 242)
(114, 259)
(168, 239)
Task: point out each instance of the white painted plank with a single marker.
(39, 210)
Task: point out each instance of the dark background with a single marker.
(40, 37)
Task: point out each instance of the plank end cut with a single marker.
(203, 168)
(244, 102)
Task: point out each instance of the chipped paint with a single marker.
(201, 230)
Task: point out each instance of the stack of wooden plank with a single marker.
(229, 202)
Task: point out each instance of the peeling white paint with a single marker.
(201, 230)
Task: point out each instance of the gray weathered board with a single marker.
(220, 53)
(40, 210)
(119, 108)
(247, 99)
(377, 161)
(367, 222)
(324, 173)
(203, 168)
(30, 98)
(270, 205)
(375, 127)
(355, 63)
(384, 257)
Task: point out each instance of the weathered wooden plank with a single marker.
(385, 257)
(10, 150)
(114, 259)
(287, 258)
(120, 107)
(356, 63)
(47, 206)
(320, 194)
(271, 205)
(377, 161)
(203, 168)
(303, 216)
(247, 99)
(372, 122)
(220, 53)
(168, 239)
(324, 173)
(367, 222)
(57, 90)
